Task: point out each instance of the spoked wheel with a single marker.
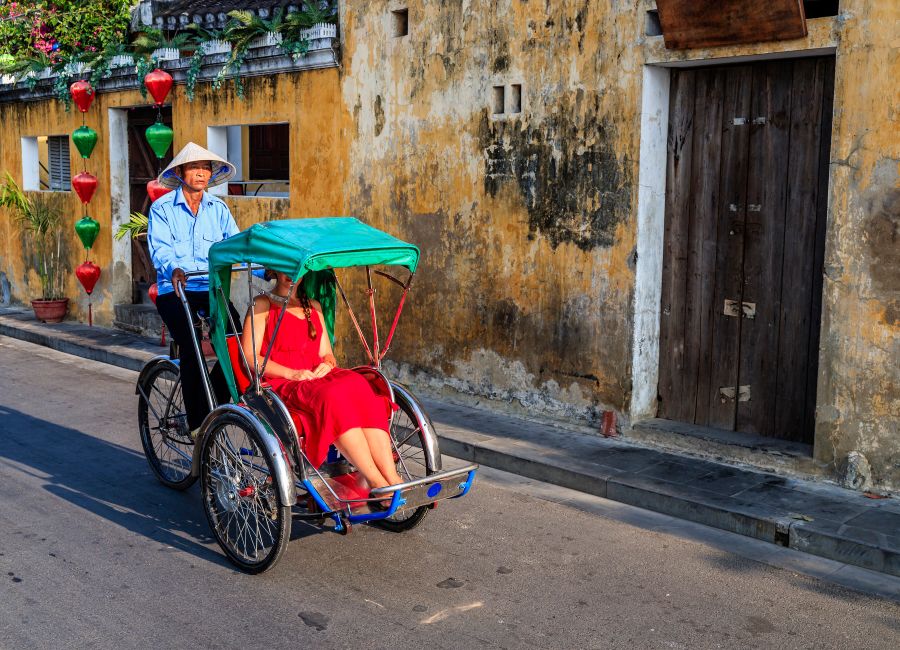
(408, 440)
(165, 436)
(240, 496)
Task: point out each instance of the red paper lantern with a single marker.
(155, 189)
(88, 274)
(159, 83)
(153, 292)
(82, 94)
(84, 185)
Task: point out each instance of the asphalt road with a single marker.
(94, 553)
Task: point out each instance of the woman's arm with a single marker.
(259, 318)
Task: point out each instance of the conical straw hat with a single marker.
(222, 170)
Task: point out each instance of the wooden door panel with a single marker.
(702, 242)
(799, 282)
(673, 404)
(746, 202)
(732, 209)
(764, 244)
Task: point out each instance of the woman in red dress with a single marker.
(336, 406)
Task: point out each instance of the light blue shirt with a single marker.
(180, 240)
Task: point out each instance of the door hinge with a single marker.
(740, 121)
(726, 393)
(759, 120)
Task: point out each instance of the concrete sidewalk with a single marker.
(814, 517)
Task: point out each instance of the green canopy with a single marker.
(299, 247)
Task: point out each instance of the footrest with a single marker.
(348, 491)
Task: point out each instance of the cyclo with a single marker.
(249, 455)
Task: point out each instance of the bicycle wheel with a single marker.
(162, 421)
(408, 440)
(241, 496)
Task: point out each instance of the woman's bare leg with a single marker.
(383, 454)
(354, 445)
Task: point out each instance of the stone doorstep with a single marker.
(769, 454)
(816, 518)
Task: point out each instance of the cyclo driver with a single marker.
(183, 225)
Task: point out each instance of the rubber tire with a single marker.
(402, 525)
(284, 511)
(144, 429)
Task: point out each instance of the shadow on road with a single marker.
(113, 482)
(108, 480)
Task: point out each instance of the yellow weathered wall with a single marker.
(306, 100)
(50, 118)
(525, 221)
(859, 374)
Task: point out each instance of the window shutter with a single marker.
(58, 154)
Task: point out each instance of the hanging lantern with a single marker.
(159, 83)
(84, 185)
(87, 230)
(88, 274)
(155, 189)
(82, 94)
(159, 136)
(84, 138)
(153, 292)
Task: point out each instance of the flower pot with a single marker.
(50, 311)
(166, 54)
(216, 47)
(121, 61)
(269, 39)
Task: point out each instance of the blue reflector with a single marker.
(434, 490)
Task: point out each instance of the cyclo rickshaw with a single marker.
(249, 454)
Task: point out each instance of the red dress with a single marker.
(328, 406)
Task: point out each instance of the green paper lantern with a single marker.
(84, 138)
(159, 136)
(87, 230)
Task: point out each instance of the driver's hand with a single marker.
(178, 281)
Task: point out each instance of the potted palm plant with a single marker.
(43, 226)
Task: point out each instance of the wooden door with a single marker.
(746, 200)
(143, 166)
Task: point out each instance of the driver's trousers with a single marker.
(172, 312)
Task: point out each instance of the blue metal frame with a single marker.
(467, 485)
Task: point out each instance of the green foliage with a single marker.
(40, 34)
(43, 225)
(59, 28)
(137, 225)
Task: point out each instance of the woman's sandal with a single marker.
(379, 506)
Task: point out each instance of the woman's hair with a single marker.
(304, 302)
(307, 309)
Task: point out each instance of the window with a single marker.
(260, 154)
(652, 26)
(499, 100)
(46, 164)
(515, 98)
(400, 22)
(59, 175)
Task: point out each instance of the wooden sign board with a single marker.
(709, 23)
